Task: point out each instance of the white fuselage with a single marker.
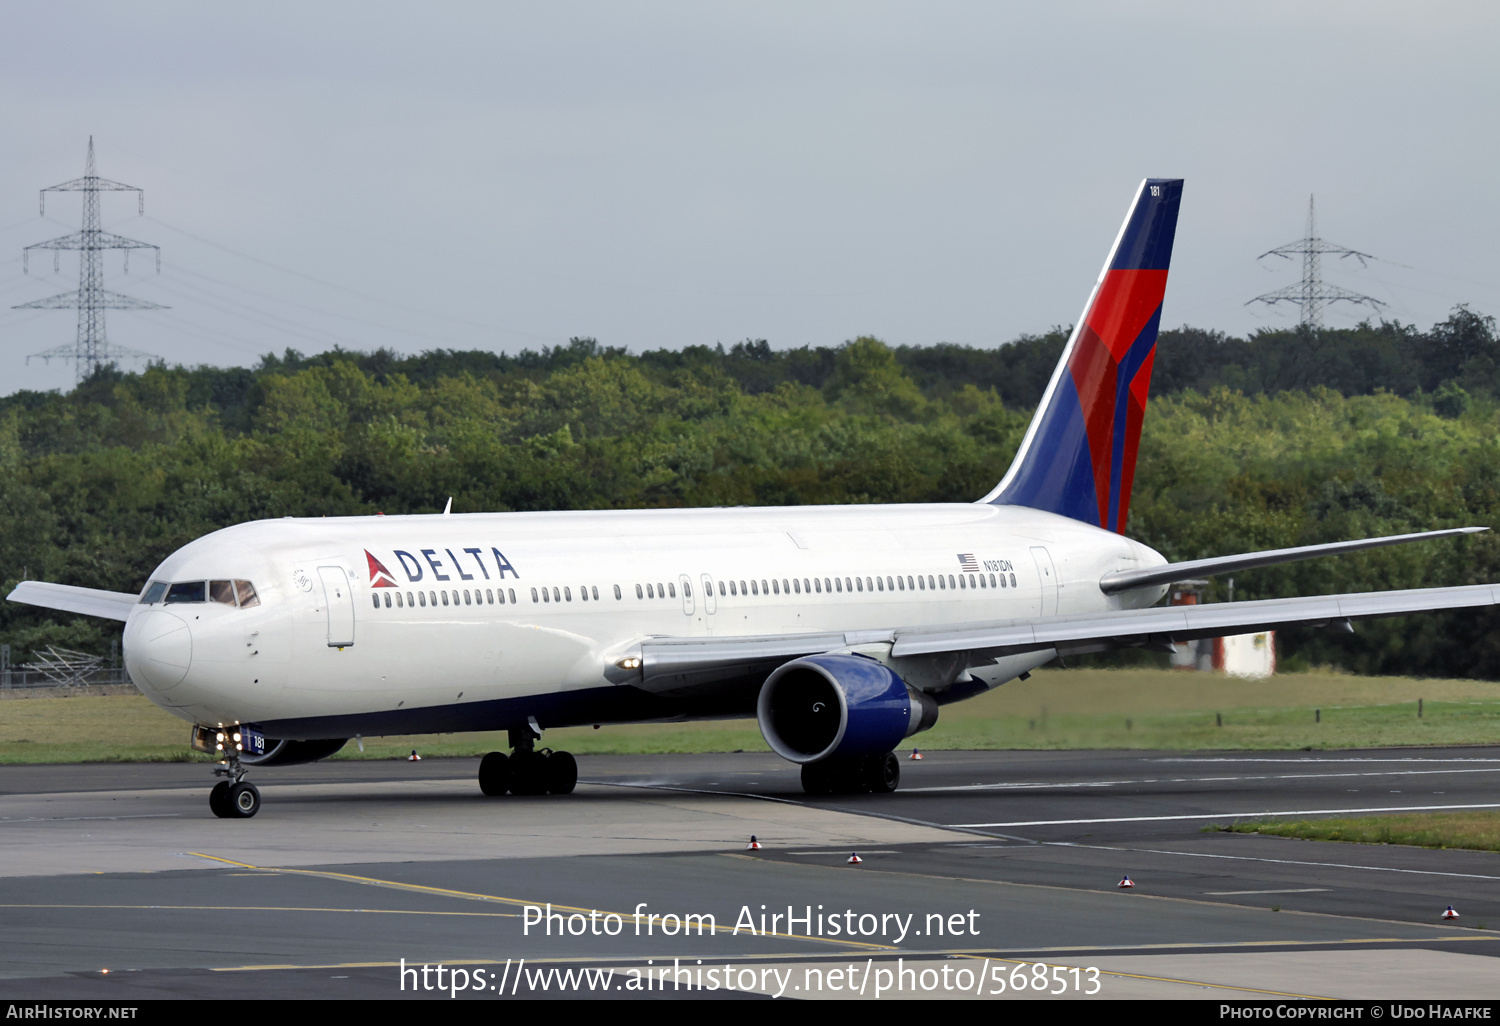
(328, 651)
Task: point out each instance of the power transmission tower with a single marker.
(91, 348)
(1311, 294)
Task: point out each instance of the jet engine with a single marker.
(839, 716)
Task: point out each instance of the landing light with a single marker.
(236, 739)
(629, 663)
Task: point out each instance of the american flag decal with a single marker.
(967, 562)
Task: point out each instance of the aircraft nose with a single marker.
(159, 647)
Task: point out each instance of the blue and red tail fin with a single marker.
(1078, 456)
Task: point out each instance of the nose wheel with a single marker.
(234, 797)
(234, 801)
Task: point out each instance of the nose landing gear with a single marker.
(233, 797)
(528, 770)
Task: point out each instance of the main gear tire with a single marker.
(528, 773)
(562, 773)
(494, 774)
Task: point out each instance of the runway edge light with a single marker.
(1126, 883)
(413, 757)
(1448, 913)
(854, 859)
(754, 845)
(916, 755)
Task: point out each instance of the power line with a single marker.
(366, 296)
(90, 348)
(1312, 293)
(424, 335)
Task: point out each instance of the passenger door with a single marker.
(687, 593)
(340, 605)
(1047, 573)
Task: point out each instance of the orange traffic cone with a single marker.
(854, 859)
(915, 756)
(1448, 913)
(1126, 883)
(754, 845)
(413, 757)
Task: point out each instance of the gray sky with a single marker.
(500, 176)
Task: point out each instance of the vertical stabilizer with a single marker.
(1078, 456)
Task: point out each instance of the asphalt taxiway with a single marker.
(990, 859)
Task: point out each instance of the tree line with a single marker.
(1281, 438)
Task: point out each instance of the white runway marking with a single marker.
(1305, 762)
(1285, 890)
(1022, 785)
(1218, 815)
(1279, 862)
(7, 820)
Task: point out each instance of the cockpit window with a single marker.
(186, 591)
(241, 593)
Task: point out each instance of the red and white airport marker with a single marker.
(1126, 883)
(1448, 913)
(854, 859)
(754, 845)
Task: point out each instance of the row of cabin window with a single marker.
(814, 585)
(566, 594)
(805, 585)
(410, 600)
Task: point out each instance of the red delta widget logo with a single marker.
(440, 568)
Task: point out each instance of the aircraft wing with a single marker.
(671, 663)
(1124, 580)
(114, 605)
(1134, 628)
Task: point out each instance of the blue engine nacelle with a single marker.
(828, 706)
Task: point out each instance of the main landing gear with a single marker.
(234, 797)
(862, 774)
(528, 770)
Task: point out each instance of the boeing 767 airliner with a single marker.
(843, 629)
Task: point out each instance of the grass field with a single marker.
(1054, 709)
(1478, 830)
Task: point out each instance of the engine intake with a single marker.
(823, 706)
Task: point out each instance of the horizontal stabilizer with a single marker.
(113, 605)
(1124, 580)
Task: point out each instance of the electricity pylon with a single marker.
(91, 348)
(1311, 294)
